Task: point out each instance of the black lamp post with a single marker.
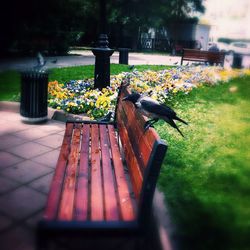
(102, 52)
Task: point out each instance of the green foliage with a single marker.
(205, 176)
(126, 17)
(53, 25)
(49, 25)
(9, 85)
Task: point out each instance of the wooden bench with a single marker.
(104, 180)
(210, 57)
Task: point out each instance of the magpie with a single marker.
(154, 110)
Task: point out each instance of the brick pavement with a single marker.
(28, 155)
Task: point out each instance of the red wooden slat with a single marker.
(96, 177)
(201, 55)
(135, 120)
(142, 142)
(127, 211)
(67, 201)
(131, 160)
(81, 200)
(110, 201)
(56, 184)
(139, 140)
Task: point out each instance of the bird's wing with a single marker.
(157, 109)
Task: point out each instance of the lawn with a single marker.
(10, 80)
(205, 176)
(9, 85)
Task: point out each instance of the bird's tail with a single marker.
(179, 131)
(179, 119)
(172, 123)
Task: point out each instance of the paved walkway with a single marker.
(86, 57)
(28, 156)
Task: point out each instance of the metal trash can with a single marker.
(123, 55)
(34, 95)
(237, 61)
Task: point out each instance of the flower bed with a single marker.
(79, 96)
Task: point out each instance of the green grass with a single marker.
(9, 85)
(10, 80)
(205, 177)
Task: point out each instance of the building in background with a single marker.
(176, 37)
(228, 19)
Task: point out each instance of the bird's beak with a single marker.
(125, 98)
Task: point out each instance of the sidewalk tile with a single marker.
(4, 222)
(7, 185)
(29, 150)
(7, 141)
(10, 116)
(26, 171)
(10, 127)
(49, 159)
(32, 222)
(53, 141)
(22, 202)
(42, 184)
(52, 126)
(62, 133)
(17, 238)
(2, 121)
(32, 133)
(8, 159)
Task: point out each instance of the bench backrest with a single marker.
(143, 151)
(210, 56)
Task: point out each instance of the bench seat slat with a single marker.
(82, 191)
(68, 194)
(110, 201)
(91, 177)
(96, 177)
(126, 206)
(57, 182)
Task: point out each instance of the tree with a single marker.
(55, 24)
(126, 16)
(43, 24)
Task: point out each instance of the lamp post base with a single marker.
(102, 62)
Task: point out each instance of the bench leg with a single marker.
(41, 243)
(42, 240)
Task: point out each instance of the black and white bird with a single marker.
(154, 110)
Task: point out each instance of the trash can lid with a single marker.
(41, 71)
